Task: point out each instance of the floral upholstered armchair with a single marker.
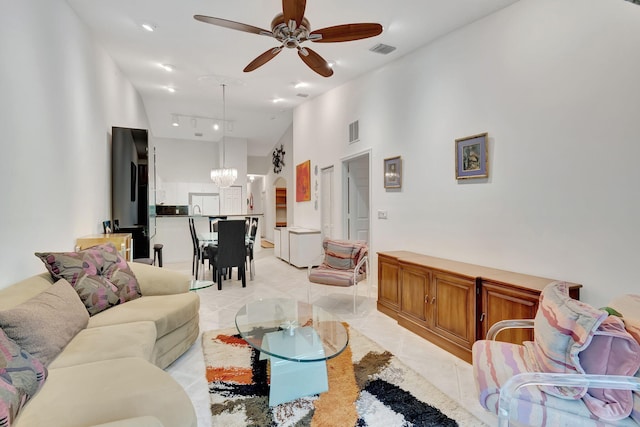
(345, 263)
(582, 369)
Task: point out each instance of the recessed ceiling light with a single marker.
(149, 26)
(167, 67)
(276, 100)
(175, 121)
(300, 84)
(331, 64)
(216, 126)
(170, 89)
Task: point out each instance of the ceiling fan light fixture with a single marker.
(291, 28)
(148, 26)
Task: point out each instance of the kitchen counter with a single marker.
(172, 231)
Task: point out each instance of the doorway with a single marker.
(356, 206)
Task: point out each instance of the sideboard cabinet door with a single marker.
(388, 285)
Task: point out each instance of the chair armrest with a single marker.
(502, 325)
(510, 388)
(359, 265)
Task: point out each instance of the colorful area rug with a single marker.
(368, 386)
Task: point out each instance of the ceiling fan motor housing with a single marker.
(290, 36)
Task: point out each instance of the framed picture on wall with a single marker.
(303, 182)
(393, 172)
(471, 156)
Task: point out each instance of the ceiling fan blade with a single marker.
(345, 33)
(232, 24)
(293, 10)
(262, 59)
(315, 62)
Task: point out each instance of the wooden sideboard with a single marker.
(453, 304)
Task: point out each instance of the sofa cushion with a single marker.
(168, 312)
(342, 254)
(99, 274)
(146, 421)
(108, 391)
(135, 339)
(21, 375)
(333, 277)
(563, 327)
(612, 351)
(46, 323)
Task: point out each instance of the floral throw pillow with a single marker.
(99, 274)
(21, 376)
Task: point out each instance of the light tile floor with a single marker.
(275, 278)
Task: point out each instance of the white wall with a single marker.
(555, 83)
(258, 165)
(270, 193)
(61, 94)
(185, 166)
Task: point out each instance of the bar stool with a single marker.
(157, 250)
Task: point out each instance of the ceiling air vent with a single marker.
(302, 95)
(354, 132)
(383, 49)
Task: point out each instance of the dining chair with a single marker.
(199, 252)
(213, 222)
(253, 230)
(230, 252)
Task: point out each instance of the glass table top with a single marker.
(297, 331)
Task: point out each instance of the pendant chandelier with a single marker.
(224, 177)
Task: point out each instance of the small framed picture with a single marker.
(471, 157)
(393, 172)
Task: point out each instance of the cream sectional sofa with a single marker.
(111, 372)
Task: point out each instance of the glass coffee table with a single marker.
(297, 338)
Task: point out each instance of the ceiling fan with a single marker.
(291, 29)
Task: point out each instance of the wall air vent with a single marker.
(354, 132)
(303, 95)
(383, 49)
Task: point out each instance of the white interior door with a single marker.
(358, 198)
(231, 200)
(326, 201)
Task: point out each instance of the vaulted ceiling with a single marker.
(259, 104)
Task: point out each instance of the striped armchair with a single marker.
(345, 263)
(581, 369)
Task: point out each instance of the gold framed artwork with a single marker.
(393, 172)
(472, 156)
